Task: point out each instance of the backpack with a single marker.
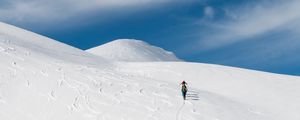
(184, 88)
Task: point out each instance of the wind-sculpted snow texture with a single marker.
(41, 79)
(130, 50)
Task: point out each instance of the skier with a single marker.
(184, 89)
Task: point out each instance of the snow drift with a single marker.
(41, 79)
(132, 51)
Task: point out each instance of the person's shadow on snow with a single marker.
(192, 95)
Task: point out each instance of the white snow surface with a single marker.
(41, 79)
(131, 50)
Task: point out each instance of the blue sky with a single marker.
(255, 34)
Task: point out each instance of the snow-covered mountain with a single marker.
(41, 79)
(131, 50)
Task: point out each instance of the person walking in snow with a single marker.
(184, 89)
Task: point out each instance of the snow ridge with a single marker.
(32, 42)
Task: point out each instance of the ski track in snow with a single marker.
(118, 91)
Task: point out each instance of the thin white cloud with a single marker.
(251, 22)
(209, 12)
(45, 10)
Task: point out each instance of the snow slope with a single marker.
(227, 93)
(132, 51)
(41, 79)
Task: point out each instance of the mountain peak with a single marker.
(131, 50)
